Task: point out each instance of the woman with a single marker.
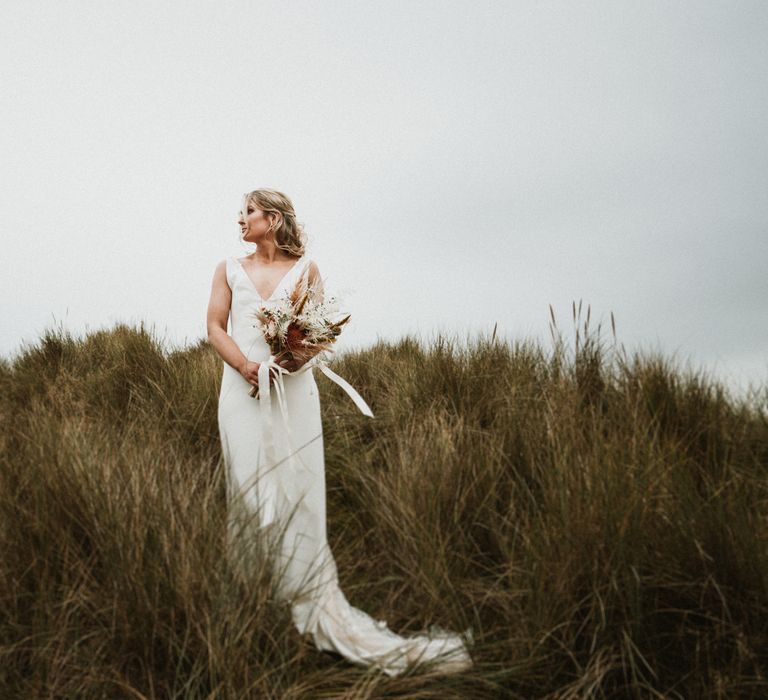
(291, 493)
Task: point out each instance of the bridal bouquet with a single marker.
(299, 326)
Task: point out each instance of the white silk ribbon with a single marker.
(266, 414)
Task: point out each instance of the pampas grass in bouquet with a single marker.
(301, 325)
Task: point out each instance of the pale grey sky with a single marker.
(454, 163)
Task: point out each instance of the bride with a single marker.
(289, 495)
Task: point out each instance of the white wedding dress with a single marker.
(291, 494)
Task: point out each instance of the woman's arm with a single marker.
(218, 314)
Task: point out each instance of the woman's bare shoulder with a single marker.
(221, 273)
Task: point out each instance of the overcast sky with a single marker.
(455, 164)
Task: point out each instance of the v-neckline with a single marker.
(282, 279)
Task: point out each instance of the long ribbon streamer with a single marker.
(266, 414)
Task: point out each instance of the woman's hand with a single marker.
(293, 361)
(250, 372)
(287, 361)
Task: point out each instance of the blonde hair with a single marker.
(288, 233)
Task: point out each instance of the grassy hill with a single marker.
(601, 522)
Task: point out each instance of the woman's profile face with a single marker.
(253, 223)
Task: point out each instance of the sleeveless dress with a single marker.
(291, 496)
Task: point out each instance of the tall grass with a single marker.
(599, 520)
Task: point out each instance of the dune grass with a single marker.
(599, 521)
